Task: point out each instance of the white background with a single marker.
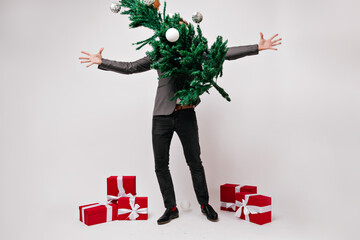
(292, 127)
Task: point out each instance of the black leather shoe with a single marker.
(210, 213)
(168, 216)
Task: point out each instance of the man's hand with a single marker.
(92, 58)
(268, 43)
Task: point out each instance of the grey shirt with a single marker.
(166, 86)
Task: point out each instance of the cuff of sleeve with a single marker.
(104, 64)
(254, 50)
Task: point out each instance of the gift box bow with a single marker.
(229, 204)
(134, 211)
(249, 209)
(121, 194)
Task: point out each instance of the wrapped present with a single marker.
(122, 186)
(227, 194)
(254, 208)
(133, 208)
(96, 213)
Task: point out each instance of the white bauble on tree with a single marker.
(149, 2)
(172, 35)
(115, 7)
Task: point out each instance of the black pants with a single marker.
(184, 123)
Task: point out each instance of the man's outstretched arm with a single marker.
(140, 65)
(243, 51)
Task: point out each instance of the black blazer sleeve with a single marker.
(241, 51)
(138, 66)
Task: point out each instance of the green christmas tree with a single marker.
(188, 60)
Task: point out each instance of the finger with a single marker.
(86, 58)
(276, 44)
(85, 61)
(274, 36)
(274, 48)
(261, 35)
(279, 39)
(89, 64)
(86, 53)
(102, 49)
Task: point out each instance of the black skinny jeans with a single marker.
(184, 123)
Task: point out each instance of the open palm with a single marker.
(268, 43)
(92, 58)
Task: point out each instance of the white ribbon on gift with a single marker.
(120, 185)
(121, 191)
(232, 204)
(109, 212)
(122, 194)
(228, 205)
(237, 188)
(134, 211)
(249, 209)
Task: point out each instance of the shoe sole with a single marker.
(171, 218)
(213, 220)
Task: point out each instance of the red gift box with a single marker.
(254, 208)
(120, 186)
(96, 213)
(133, 208)
(227, 194)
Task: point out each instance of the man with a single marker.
(170, 117)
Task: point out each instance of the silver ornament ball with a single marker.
(115, 7)
(149, 2)
(197, 17)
